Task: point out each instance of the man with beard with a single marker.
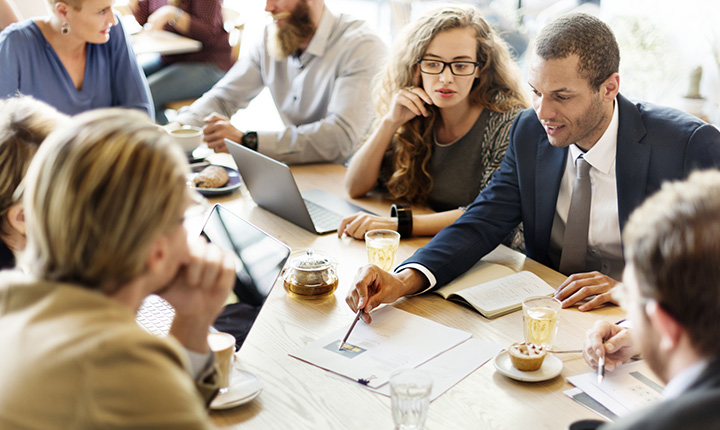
(318, 67)
(671, 291)
(578, 119)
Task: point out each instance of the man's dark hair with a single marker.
(585, 36)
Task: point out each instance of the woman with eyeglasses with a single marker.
(444, 107)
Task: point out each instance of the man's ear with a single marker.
(16, 218)
(667, 327)
(611, 87)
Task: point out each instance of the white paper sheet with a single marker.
(631, 387)
(452, 366)
(395, 340)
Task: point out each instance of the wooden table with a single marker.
(298, 395)
(163, 42)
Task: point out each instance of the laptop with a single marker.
(259, 260)
(272, 186)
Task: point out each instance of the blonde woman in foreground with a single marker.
(104, 202)
(445, 105)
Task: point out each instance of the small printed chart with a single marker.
(348, 350)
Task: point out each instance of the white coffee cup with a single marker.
(188, 137)
(223, 345)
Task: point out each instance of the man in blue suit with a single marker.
(577, 113)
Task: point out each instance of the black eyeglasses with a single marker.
(458, 68)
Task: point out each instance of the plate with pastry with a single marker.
(527, 362)
(212, 180)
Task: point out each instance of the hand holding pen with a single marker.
(607, 347)
(352, 326)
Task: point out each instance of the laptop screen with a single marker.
(259, 258)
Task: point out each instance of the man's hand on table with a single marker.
(217, 128)
(358, 224)
(611, 340)
(580, 286)
(373, 286)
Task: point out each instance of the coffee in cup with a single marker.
(188, 137)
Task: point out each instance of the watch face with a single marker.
(250, 140)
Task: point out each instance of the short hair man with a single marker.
(105, 203)
(631, 148)
(318, 67)
(671, 291)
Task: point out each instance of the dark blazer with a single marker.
(655, 144)
(698, 408)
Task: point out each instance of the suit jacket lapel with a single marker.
(632, 160)
(549, 170)
(709, 378)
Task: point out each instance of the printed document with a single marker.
(630, 387)
(395, 340)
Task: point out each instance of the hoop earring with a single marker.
(65, 28)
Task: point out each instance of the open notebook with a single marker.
(259, 260)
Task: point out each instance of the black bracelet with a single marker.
(405, 220)
(250, 140)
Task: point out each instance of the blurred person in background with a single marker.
(318, 67)
(184, 76)
(76, 59)
(24, 124)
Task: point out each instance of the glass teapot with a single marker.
(310, 275)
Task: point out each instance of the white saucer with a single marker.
(551, 367)
(201, 151)
(244, 386)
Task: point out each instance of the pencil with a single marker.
(352, 326)
(601, 369)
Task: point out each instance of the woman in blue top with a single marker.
(76, 59)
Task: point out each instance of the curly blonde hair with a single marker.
(497, 88)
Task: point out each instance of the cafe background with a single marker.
(670, 49)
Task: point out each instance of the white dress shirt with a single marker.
(604, 239)
(683, 380)
(323, 96)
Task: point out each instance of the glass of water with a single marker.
(382, 245)
(410, 396)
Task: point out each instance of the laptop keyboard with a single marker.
(323, 218)
(155, 315)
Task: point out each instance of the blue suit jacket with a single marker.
(655, 144)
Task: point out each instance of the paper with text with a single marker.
(395, 340)
(452, 366)
(630, 387)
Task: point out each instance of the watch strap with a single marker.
(403, 213)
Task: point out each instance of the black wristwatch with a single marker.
(250, 140)
(405, 221)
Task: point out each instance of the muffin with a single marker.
(527, 356)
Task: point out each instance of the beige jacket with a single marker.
(71, 358)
